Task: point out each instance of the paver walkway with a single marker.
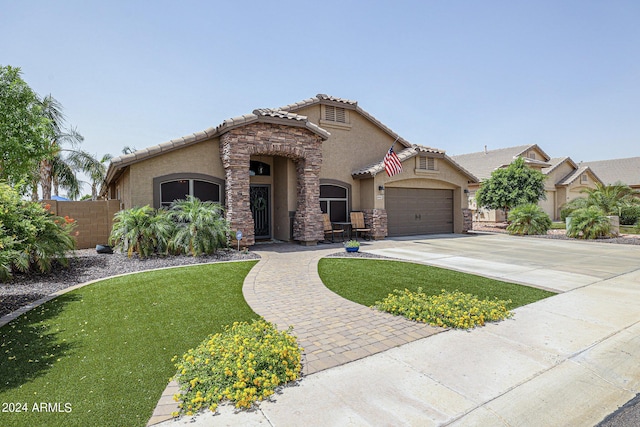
(285, 289)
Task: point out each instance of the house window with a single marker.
(532, 155)
(335, 114)
(181, 188)
(584, 178)
(426, 163)
(334, 200)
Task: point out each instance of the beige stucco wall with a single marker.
(350, 147)
(361, 143)
(203, 157)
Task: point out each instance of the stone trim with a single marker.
(376, 219)
(467, 220)
(301, 145)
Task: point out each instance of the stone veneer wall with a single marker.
(376, 219)
(467, 220)
(297, 143)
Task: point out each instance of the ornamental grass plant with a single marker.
(243, 364)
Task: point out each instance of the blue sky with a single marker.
(456, 75)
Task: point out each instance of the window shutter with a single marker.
(330, 113)
(427, 163)
(341, 115)
(431, 163)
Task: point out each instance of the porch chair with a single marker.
(328, 228)
(357, 225)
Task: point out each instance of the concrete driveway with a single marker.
(568, 360)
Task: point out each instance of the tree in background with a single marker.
(24, 130)
(612, 198)
(511, 186)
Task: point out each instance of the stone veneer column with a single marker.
(293, 142)
(376, 219)
(307, 222)
(235, 159)
(467, 220)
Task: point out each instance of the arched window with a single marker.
(179, 189)
(334, 200)
(172, 187)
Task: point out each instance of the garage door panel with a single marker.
(412, 211)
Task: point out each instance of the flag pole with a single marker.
(396, 140)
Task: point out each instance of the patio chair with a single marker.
(329, 229)
(358, 226)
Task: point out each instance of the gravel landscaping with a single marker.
(87, 265)
(623, 239)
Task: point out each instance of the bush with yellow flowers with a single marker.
(448, 309)
(243, 364)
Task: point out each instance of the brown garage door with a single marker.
(412, 211)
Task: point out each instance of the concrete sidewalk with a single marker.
(567, 360)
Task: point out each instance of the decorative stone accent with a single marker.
(376, 219)
(294, 142)
(467, 220)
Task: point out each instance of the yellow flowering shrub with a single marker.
(243, 364)
(448, 309)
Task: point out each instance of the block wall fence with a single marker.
(94, 219)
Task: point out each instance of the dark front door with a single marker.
(260, 209)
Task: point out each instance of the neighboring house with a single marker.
(277, 170)
(565, 179)
(626, 171)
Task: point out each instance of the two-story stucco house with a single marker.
(565, 179)
(277, 170)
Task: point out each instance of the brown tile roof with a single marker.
(482, 163)
(266, 115)
(625, 170)
(406, 154)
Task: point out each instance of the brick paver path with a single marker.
(285, 289)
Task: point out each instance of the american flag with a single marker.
(392, 164)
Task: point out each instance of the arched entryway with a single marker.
(296, 143)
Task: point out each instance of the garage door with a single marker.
(413, 211)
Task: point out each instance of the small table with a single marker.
(344, 226)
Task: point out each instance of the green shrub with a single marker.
(452, 309)
(142, 230)
(589, 223)
(528, 219)
(629, 215)
(31, 237)
(351, 244)
(243, 364)
(200, 227)
(187, 227)
(567, 209)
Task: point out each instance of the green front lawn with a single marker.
(366, 281)
(101, 355)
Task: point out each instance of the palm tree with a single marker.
(96, 170)
(611, 198)
(200, 226)
(52, 110)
